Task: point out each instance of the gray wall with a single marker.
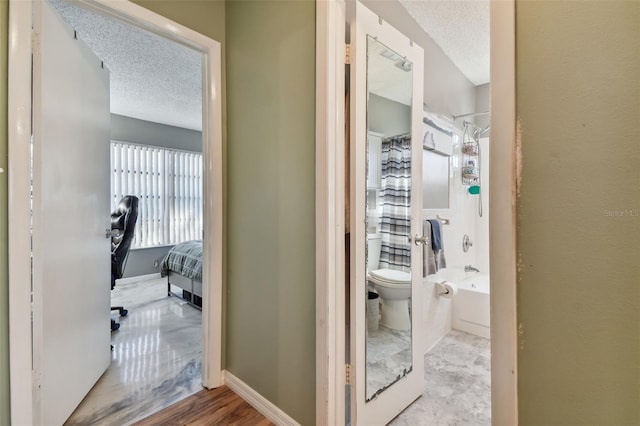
(129, 129)
(271, 201)
(388, 117)
(141, 261)
(578, 212)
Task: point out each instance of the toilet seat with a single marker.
(390, 277)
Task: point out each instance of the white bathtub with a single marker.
(471, 306)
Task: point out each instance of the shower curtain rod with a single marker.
(472, 114)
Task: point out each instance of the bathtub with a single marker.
(471, 306)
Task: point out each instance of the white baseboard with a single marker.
(130, 280)
(436, 342)
(257, 401)
(472, 328)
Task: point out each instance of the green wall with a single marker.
(4, 283)
(204, 16)
(271, 201)
(578, 213)
(269, 52)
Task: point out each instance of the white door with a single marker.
(71, 253)
(386, 351)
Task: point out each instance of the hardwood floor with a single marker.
(208, 407)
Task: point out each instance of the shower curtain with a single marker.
(395, 221)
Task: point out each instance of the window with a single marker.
(168, 183)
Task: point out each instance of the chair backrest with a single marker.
(123, 219)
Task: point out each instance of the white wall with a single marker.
(462, 214)
(481, 231)
(483, 99)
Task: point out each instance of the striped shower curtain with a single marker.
(395, 221)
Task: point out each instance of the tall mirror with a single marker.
(388, 219)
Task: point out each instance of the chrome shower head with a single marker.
(479, 132)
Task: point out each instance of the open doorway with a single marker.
(463, 213)
(201, 365)
(455, 183)
(155, 156)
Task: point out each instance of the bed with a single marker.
(183, 268)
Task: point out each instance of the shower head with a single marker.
(479, 132)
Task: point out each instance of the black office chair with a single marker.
(123, 219)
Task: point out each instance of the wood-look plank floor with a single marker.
(218, 407)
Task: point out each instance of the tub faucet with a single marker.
(469, 268)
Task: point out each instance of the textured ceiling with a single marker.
(152, 78)
(460, 28)
(157, 80)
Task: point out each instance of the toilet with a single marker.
(394, 288)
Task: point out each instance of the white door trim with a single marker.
(19, 132)
(330, 205)
(503, 174)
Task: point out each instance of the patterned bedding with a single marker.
(184, 259)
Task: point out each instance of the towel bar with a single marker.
(442, 220)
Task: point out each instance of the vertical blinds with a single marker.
(168, 183)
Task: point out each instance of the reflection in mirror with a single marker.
(388, 221)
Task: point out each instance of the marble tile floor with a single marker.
(156, 360)
(457, 384)
(388, 358)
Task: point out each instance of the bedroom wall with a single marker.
(127, 129)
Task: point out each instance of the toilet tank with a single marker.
(374, 243)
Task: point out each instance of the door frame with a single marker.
(19, 133)
(330, 205)
(330, 212)
(503, 180)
